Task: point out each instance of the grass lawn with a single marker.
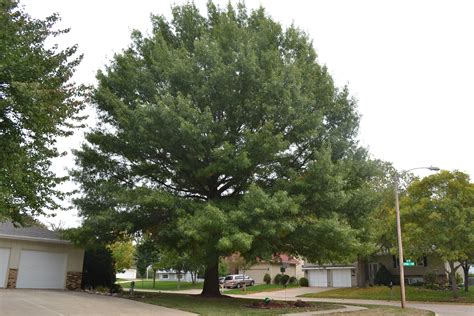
(259, 288)
(222, 306)
(163, 285)
(383, 293)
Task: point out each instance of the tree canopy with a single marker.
(38, 103)
(221, 134)
(438, 218)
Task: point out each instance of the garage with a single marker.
(318, 278)
(341, 278)
(329, 275)
(36, 258)
(41, 270)
(4, 258)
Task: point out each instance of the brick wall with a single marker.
(73, 280)
(12, 274)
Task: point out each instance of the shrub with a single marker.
(304, 282)
(277, 279)
(383, 276)
(116, 288)
(284, 279)
(433, 281)
(293, 280)
(98, 269)
(267, 278)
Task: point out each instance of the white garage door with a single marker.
(341, 278)
(4, 257)
(318, 278)
(41, 270)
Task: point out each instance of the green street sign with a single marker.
(408, 263)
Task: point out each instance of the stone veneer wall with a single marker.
(12, 274)
(73, 280)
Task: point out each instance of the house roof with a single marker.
(36, 233)
(310, 266)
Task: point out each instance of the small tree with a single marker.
(124, 255)
(438, 218)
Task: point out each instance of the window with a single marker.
(164, 276)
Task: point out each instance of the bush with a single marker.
(433, 281)
(116, 288)
(284, 279)
(304, 282)
(293, 280)
(383, 276)
(98, 270)
(267, 278)
(277, 279)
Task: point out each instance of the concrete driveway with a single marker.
(56, 303)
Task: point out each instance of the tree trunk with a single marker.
(154, 277)
(211, 279)
(452, 275)
(465, 266)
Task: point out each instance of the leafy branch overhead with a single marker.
(38, 104)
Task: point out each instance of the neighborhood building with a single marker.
(363, 272)
(127, 274)
(293, 267)
(172, 275)
(37, 258)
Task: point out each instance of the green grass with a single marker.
(163, 285)
(222, 306)
(383, 293)
(259, 288)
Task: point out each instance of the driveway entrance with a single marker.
(57, 303)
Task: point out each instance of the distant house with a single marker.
(37, 258)
(363, 273)
(172, 275)
(292, 266)
(127, 274)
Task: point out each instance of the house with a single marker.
(363, 273)
(37, 258)
(172, 275)
(127, 274)
(292, 266)
(415, 269)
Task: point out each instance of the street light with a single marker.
(399, 236)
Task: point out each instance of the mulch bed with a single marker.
(279, 305)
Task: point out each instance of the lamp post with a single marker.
(399, 237)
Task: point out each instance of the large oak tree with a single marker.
(221, 134)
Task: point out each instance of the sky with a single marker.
(409, 64)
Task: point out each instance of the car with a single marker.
(221, 280)
(237, 281)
